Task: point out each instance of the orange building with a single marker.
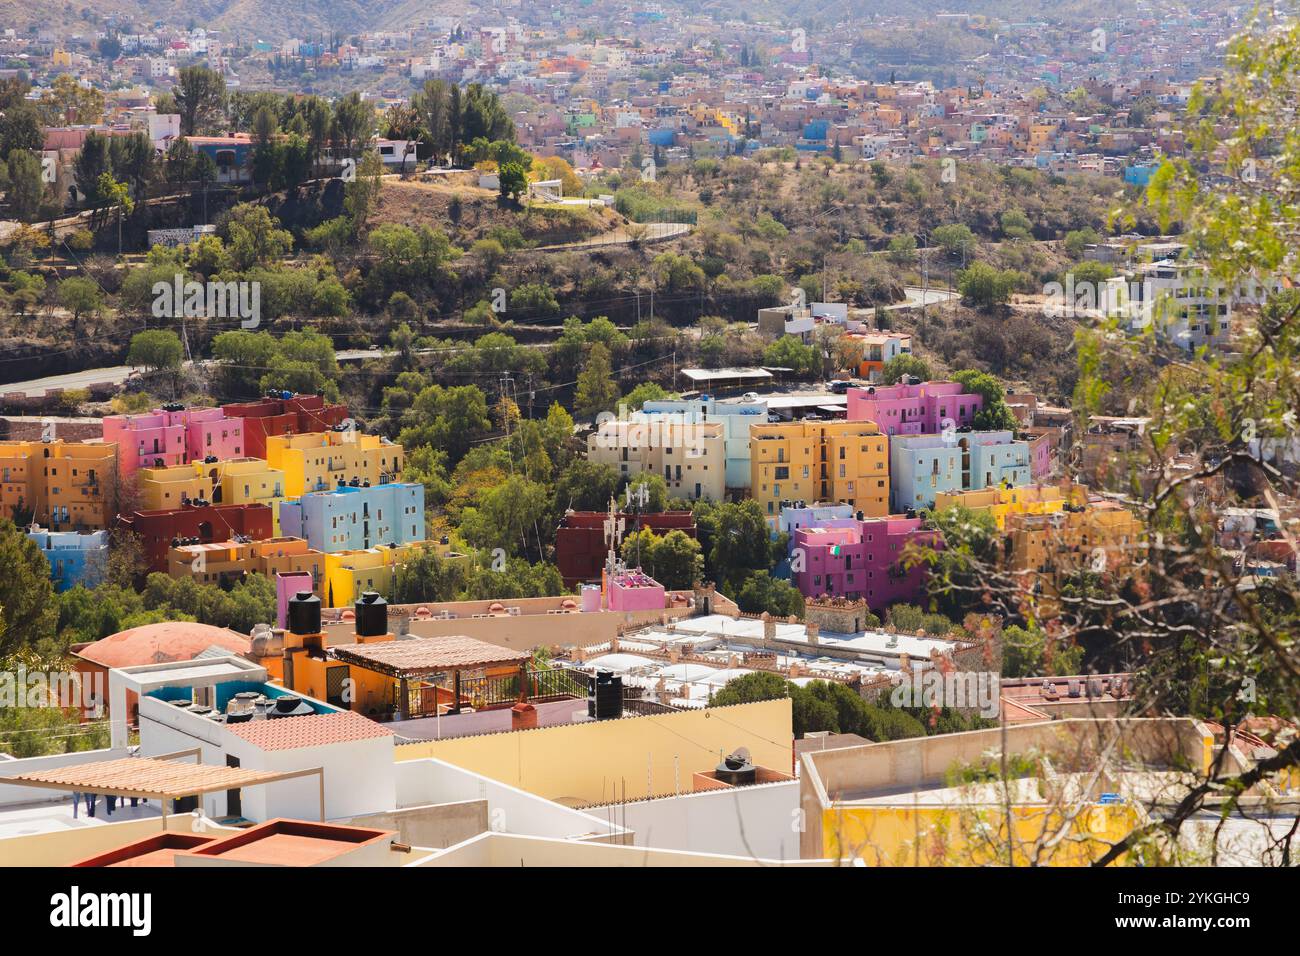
(64, 486)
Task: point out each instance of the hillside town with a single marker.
(618, 435)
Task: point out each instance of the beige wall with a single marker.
(596, 762)
(61, 847)
(499, 849)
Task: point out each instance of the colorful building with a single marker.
(691, 455)
(162, 529)
(320, 461)
(59, 485)
(349, 574)
(913, 409)
(75, 558)
(227, 562)
(283, 413)
(1002, 502)
(174, 435)
(923, 466)
(1045, 550)
(877, 349)
(844, 462)
(581, 544)
(801, 515)
(735, 418)
(845, 557)
(356, 517)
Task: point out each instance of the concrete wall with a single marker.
(509, 809)
(830, 779)
(499, 849)
(633, 757)
(439, 826)
(759, 821)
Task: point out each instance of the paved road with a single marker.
(118, 374)
(930, 297)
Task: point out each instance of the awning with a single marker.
(423, 656)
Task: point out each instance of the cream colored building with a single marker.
(691, 456)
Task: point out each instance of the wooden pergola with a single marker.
(160, 778)
(423, 657)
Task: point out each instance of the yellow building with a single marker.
(843, 462)
(1068, 791)
(319, 461)
(349, 573)
(236, 481)
(169, 487)
(1001, 502)
(1045, 549)
(691, 456)
(60, 485)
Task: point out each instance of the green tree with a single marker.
(596, 390)
(156, 350)
(200, 96)
(27, 604)
(905, 364)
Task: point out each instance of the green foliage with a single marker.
(905, 364)
(762, 592)
(985, 287)
(27, 606)
(156, 349)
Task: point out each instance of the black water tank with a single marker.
(605, 698)
(737, 769)
(372, 615)
(304, 613)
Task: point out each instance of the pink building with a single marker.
(913, 409)
(1040, 457)
(635, 591)
(174, 435)
(844, 557)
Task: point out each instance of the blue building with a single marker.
(921, 466)
(352, 518)
(75, 558)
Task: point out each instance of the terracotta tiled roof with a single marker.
(311, 730)
(427, 655)
(145, 776)
(158, 643)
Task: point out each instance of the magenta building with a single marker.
(913, 409)
(173, 435)
(845, 557)
(635, 591)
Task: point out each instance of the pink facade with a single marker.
(635, 591)
(913, 409)
(173, 436)
(844, 557)
(286, 586)
(1040, 457)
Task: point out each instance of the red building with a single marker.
(580, 545)
(207, 523)
(283, 414)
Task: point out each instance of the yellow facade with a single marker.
(251, 481)
(691, 456)
(64, 485)
(1001, 502)
(843, 462)
(1044, 550)
(349, 573)
(319, 461)
(974, 835)
(168, 487)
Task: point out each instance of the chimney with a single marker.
(769, 627)
(371, 618)
(814, 632)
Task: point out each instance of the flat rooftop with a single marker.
(28, 819)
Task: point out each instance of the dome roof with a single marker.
(162, 642)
